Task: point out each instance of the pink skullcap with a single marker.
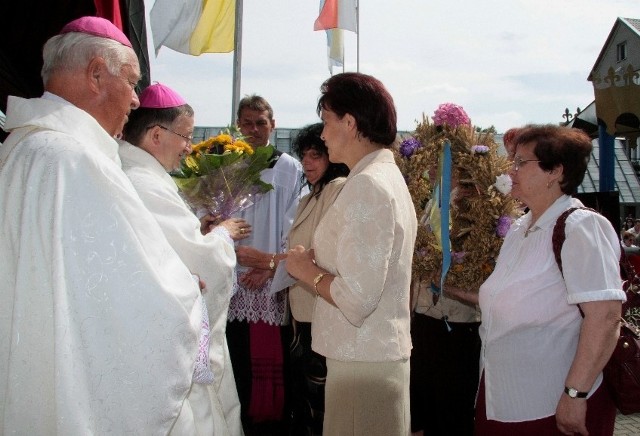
(158, 96)
(97, 26)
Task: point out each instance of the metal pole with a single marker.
(237, 62)
(358, 36)
(607, 159)
(339, 33)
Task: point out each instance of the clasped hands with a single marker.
(301, 263)
(258, 262)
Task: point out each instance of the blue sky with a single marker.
(507, 62)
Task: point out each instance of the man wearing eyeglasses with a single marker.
(156, 137)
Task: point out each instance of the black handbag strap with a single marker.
(559, 235)
(627, 271)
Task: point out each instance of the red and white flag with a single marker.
(337, 14)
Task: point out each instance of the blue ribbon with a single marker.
(444, 200)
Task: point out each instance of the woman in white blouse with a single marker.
(541, 361)
(360, 265)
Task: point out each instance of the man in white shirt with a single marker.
(258, 342)
(100, 319)
(157, 136)
(635, 230)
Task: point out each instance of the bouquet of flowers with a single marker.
(460, 189)
(221, 175)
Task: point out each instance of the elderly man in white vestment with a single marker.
(157, 136)
(99, 318)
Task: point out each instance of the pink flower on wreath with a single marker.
(458, 256)
(450, 114)
(502, 228)
(479, 149)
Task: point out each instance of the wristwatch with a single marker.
(574, 393)
(272, 262)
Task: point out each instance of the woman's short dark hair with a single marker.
(308, 138)
(366, 99)
(556, 145)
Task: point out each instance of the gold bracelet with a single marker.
(317, 280)
(272, 262)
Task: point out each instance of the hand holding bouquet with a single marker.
(221, 176)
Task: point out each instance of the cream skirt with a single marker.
(367, 399)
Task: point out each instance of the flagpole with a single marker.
(358, 36)
(237, 63)
(342, 32)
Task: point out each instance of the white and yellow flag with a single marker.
(194, 26)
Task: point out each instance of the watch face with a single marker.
(574, 393)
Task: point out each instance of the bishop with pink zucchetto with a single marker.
(100, 319)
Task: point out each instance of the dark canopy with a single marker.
(27, 24)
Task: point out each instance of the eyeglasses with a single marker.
(518, 162)
(186, 138)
